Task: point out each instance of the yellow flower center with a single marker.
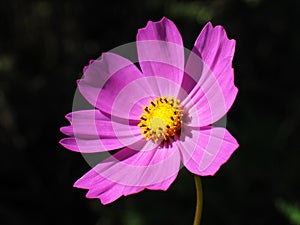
(161, 119)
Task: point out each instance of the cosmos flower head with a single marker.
(157, 116)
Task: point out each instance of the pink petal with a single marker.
(214, 48)
(204, 150)
(130, 171)
(104, 79)
(161, 54)
(92, 131)
(210, 68)
(135, 95)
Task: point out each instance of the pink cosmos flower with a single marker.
(158, 117)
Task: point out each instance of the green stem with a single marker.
(199, 200)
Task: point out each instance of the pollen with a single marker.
(162, 119)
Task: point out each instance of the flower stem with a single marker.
(199, 200)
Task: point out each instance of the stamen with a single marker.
(146, 109)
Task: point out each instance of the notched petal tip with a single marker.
(65, 130)
(92, 61)
(150, 22)
(80, 184)
(163, 25)
(209, 27)
(65, 143)
(69, 117)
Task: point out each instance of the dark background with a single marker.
(43, 48)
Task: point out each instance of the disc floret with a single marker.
(162, 119)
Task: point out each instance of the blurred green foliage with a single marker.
(45, 44)
(291, 211)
